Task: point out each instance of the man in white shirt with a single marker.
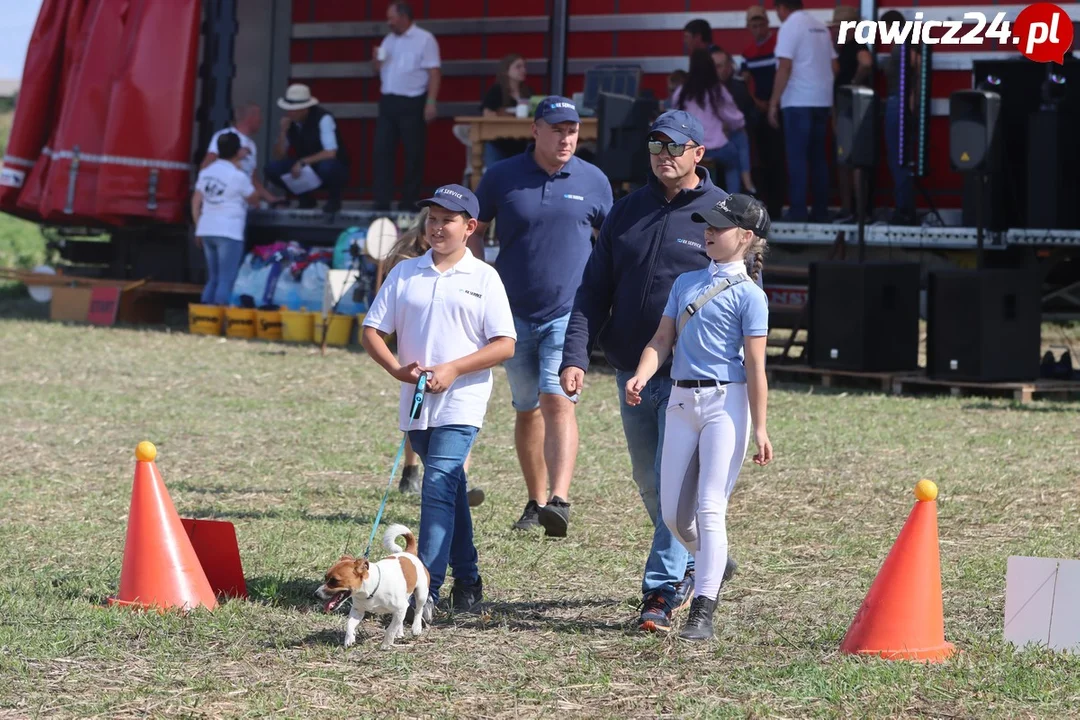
(803, 90)
(409, 69)
(247, 121)
(309, 137)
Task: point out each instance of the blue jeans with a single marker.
(333, 173)
(643, 426)
(534, 368)
(223, 259)
(903, 186)
(446, 530)
(735, 157)
(805, 129)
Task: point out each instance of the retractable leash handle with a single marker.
(414, 414)
(418, 397)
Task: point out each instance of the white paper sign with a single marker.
(1041, 600)
(307, 181)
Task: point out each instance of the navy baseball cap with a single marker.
(680, 126)
(456, 198)
(735, 211)
(556, 109)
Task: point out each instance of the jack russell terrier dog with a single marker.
(380, 588)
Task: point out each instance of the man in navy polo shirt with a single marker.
(648, 240)
(547, 202)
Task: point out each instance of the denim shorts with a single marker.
(534, 369)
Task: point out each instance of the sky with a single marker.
(16, 25)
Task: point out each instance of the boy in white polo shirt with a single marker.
(453, 322)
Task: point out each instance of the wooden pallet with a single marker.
(1021, 392)
(829, 378)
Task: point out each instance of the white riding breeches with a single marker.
(705, 444)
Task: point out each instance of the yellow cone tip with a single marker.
(145, 451)
(926, 490)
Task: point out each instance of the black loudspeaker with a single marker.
(622, 124)
(983, 325)
(974, 131)
(1052, 177)
(856, 126)
(864, 317)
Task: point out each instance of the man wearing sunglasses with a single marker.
(648, 239)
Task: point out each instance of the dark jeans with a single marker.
(805, 130)
(903, 186)
(770, 176)
(446, 530)
(400, 118)
(333, 173)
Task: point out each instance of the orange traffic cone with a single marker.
(902, 617)
(161, 568)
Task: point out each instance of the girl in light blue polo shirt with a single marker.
(720, 317)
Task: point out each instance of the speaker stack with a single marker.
(864, 316)
(982, 325)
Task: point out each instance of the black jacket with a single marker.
(644, 244)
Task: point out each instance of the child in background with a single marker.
(411, 244)
(453, 323)
(721, 319)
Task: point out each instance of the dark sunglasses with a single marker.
(674, 149)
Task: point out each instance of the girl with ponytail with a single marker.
(720, 316)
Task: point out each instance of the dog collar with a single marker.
(378, 583)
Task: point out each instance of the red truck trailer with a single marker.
(141, 85)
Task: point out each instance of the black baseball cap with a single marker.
(456, 198)
(734, 211)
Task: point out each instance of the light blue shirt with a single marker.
(711, 345)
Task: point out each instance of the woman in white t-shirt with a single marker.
(219, 206)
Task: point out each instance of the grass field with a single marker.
(295, 450)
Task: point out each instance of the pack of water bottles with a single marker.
(287, 275)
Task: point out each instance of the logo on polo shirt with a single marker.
(444, 191)
(574, 197)
(688, 242)
(473, 293)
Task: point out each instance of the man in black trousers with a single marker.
(409, 69)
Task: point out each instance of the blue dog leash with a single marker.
(414, 413)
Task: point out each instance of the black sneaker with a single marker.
(467, 598)
(410, 480)
(684, 591)
(530, 518)
(655, 614)
(555, 517)
(699, 624)
(427, 618)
